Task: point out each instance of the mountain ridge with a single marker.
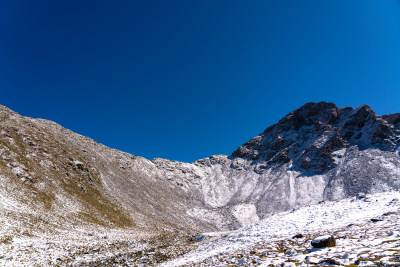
(315, 153)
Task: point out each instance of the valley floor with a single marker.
(367, 232)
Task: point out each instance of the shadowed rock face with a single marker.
(318, 152)
(393, 119)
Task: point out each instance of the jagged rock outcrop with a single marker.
(318, 152)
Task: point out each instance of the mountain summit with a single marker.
(312, 136)
(52, 178)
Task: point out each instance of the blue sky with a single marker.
(187, 79)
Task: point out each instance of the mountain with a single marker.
(318, 152)
(52, 178)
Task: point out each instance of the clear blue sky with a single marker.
(187, 79)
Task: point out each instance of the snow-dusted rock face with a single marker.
(318, 152)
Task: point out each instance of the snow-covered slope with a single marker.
(366, 230)
(52, 177)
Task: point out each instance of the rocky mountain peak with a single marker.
(309, 114)
(311, 136)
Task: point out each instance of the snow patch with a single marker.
(245, 213)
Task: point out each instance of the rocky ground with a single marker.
(366, 230)
(86, 248)
(367, 244)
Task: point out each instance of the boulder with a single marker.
(324, 241)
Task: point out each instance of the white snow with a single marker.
(245, 213)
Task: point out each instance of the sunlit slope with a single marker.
(52, 177)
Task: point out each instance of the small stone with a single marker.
(298, 236)
(389, 213)
(329, 261)
(241, 261)
(199, 238)
(361, 195)
(290, 252)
